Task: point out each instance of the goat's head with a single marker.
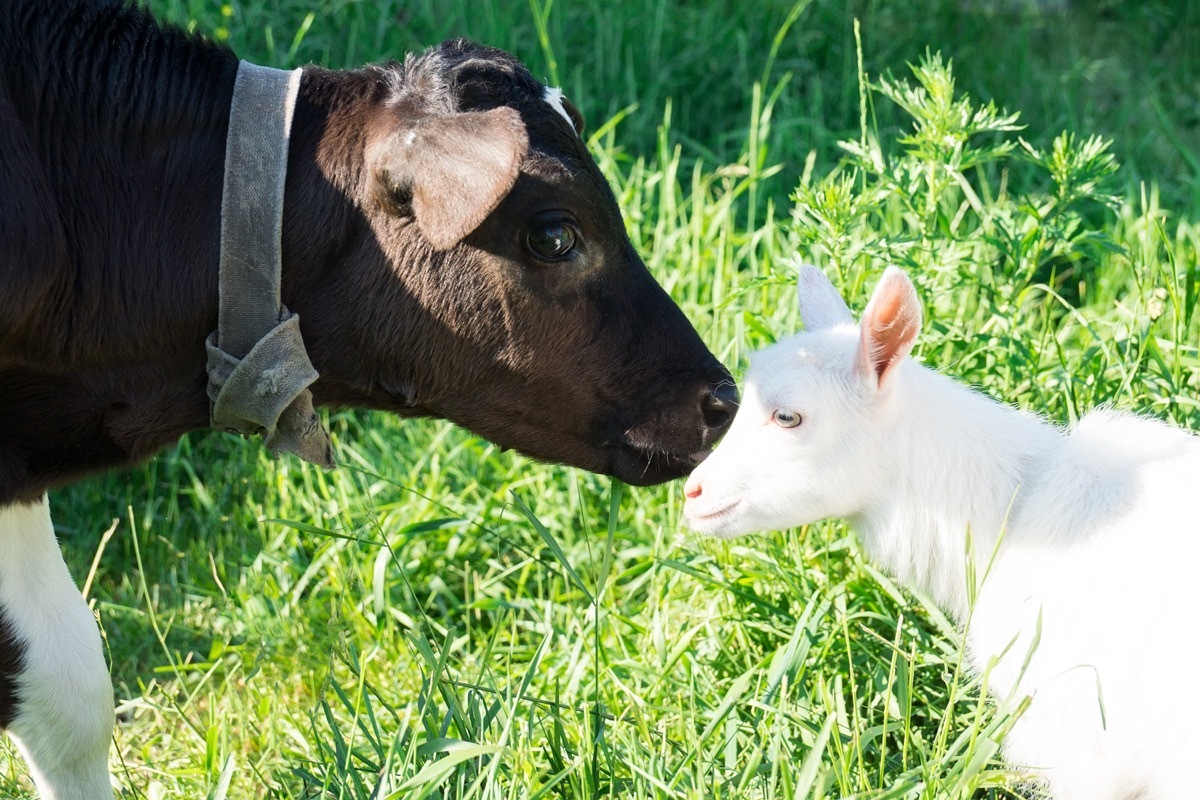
(805, 443)
(496, 285)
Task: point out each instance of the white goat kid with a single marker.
(1094, 532)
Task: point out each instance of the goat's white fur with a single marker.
(1094, 533)
(65, 719)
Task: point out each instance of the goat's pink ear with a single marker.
(821, 307)
(452, 170)
(889, 326)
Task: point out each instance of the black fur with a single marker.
(12, 660)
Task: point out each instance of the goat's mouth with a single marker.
(720, 521)
(647, 466)
(699, 516)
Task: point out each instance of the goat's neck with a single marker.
(955, 463)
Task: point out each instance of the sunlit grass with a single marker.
(440, 619)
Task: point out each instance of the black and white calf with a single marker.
(448, 244)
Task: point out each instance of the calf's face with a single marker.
(509, 298)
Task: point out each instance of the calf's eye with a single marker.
(786, 419)
(550, 241)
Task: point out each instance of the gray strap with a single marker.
(258, 369)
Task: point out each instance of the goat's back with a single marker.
(1094, 581)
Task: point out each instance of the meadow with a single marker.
(439, 619)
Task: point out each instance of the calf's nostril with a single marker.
(718, 407)
(693, 489)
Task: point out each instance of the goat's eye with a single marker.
(785, 419)
(550, 241)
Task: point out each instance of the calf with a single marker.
(1085, 541)
(448, 245)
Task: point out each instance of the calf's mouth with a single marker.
(673, 446)
(639, 466)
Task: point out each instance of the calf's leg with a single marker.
(56, 698)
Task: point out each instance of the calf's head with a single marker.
(490, 280)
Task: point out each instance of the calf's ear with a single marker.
(451, 170)
(821, 307)
(577, 118)
(889, 327)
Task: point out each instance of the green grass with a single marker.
(437, 619)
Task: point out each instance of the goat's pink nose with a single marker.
(692, 489)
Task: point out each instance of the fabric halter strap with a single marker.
(258, 369)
